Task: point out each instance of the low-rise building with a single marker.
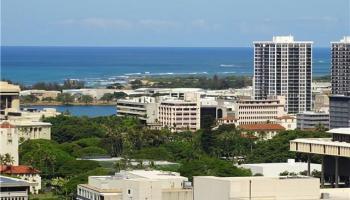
(334, 153)
(33, 130)
(321, 103)
(289, 122)
(41, 94)
(136, 184)
(279, 188)
(9, 98)
(252, 111)
(13, 189)
(26, 173)
(262, 131)
(275, 169)
(227, 120)
(9, 141)
(311, 120)
(145, 108)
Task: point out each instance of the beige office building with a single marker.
(136, 185)
(251, 111)
(256, 188)
(180, 115)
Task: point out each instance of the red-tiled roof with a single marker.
(228, 118)
(20, 169)
(6, 125)
(261, 127)
(285, 117)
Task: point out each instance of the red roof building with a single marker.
(6, 125)
(20, 169)
(262, 127)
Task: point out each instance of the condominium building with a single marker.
(253, 111)
(311, 120)
(9, 141)
(13, 189)
(339, 111)
(279, 188)
(136, 184)
(180, 115)
(334, 152)
(284, 67)
(341, 66)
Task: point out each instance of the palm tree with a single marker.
(9, 160)
(2, 160)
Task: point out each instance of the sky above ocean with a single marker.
(180, 23)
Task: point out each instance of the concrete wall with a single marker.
(244, 188)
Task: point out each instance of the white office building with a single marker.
(135, 185)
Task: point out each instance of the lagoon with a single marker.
(88, 110)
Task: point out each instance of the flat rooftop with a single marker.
(322, 141)
(12, 182)
(344, 131)
(247, 178)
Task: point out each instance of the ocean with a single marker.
(104, 65)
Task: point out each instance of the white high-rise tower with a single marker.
(284, 67)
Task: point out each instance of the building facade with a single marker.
(29, 130)
(261, 131)
(341, 66)
(136, 184)
(312, 120)
(13, 189)
(339, 111)
(254, 188)
(284, 67)
(180, 115)
(335, 154)
(9, 98)
(254, 111)
(9, 141)
(26, 173)
(144, 108)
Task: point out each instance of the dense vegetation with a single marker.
(205, 152)
(205, 82)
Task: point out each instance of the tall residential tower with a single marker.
(284, 67)
(341, 66)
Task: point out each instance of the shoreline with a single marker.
(70, 104)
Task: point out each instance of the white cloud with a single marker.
(150, 24)
(99, 23)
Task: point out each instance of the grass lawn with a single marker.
(44, 196)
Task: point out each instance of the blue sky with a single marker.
(190, 23)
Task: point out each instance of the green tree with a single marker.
(107, 97)
(29, 99)
(86, 99)
(120, 95)
(65, 98)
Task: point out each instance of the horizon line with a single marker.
(101, 46)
